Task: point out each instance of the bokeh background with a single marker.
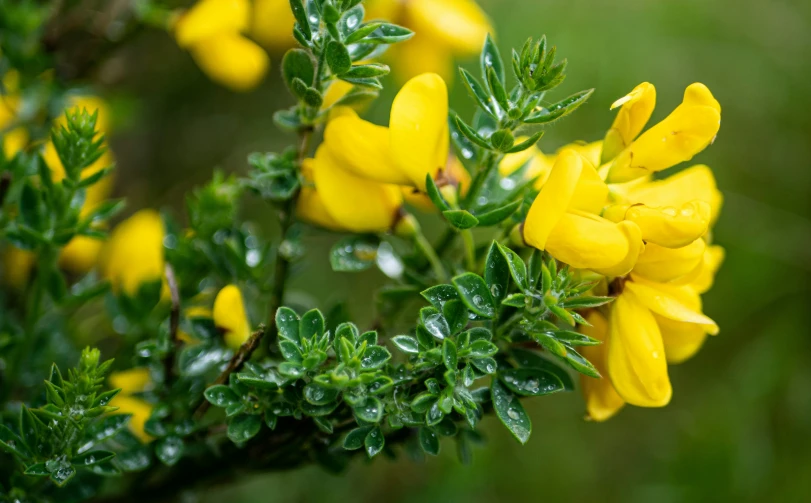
(739, 425)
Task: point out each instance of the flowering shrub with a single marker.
(584, 262)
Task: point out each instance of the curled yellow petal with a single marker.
(685, 132)
(355, 203)
(364, 149)
(208, 18)
(663, 265)
(713, 257)
(271, 22)
(591, 193)
(602, 400)
(677, 303)
(458, 24)
(231, 60)
(553, 200)
(586, 241)
(681, 340)
(636, 108)
(669, 227)
(229, 316)
(636, 355)
(419, 127)
(134, 253)
(696, 183)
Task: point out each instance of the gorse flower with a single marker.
(132, 382)
(12, 139)
(229, 316)
(133, 255)
(212, 30)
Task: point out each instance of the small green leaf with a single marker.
(518, 300)
(471, 134)
(388, 33)
(475, 294)
(367, 71)
(502, 140)
(31, 206)
(482, 349)
(91, 458)
(354, 439)
(491, 59)
(580, 364)
(374, 442)
(354, 253)
(429, 441)
(531, 359)
(312, 325)
(371, 410)
(518, 269)
(300, 14)
(319, 395)
(406, 344)
(37, 470)
(243, 427)
(435, 323)
(528, 143)
(460, 219)
(338, 58)
(287, 324)
(435, 195)
(449, 354)
(496, 272)
(497, 89)
(586, 302)
(169, 450)
(498, 215)
(370, 82)
(11, 443)
(531, 382)
(559, 109)
(476, 91)
(440, 294)
(62, 476)
(510, 411)
(298, 64)
(456, 315)
(375, 357)
(575, 338)
(221, 396)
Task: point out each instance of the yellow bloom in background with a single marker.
(134, 253)
(229, 316)
(415, 144)
(685, 132)
(132, 382)
(563, 220)
(271, 23)
(15, 139)
(443, 30)
(212, 31)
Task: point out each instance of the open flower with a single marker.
(229, 316)
(133, 255)
(443, 30)
(132, 382)
(212, 31)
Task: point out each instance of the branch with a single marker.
(174, 324)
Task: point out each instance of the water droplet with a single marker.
(512, 413)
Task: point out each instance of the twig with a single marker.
(174, 324)
(236, 363)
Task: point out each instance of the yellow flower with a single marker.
(132, 382)
(212, 31)
(15, 139)
(444, 29)
(134, 253)
(636, 108)
(229, 316)
(415, 144)
(685, 132)
(310, 207)
(602, 400)
(563, 220)
(353, 203)
(272, 23)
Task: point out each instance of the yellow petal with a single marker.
(336, 90)
(458, 24)
(591, 151)
(696, 183)
(81, 254)
(229, 316)
(309, 206)
(586, 241)
(17, 265)
(602, 400)
(13, 141)
(636, 354)
(131, 381)
(667, 226)
(682, 340)
(357, 204)
(419, 127)
(134, 253)
(553, 200)
(713, 257)
(363, 149)
(208, 18)
(637, 107)
(231, 60)
(681, 135)
(418, 55)
(140, 409)
(663, 265)
(271, 22)
(591, 193)
(678, 303)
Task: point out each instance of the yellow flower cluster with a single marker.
(213, 32)
(362, 172)
(600, 208)
(132, 382)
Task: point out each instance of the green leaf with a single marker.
(502, 140)
(435, 195)
(319, 395)
(375, 357)
(37, 470)
(510, 411)
(354, 253)
(449, 354)
(435, 323)
(106, 428)
(300, 14)
(11, 443)
(422, 402)
(290, 351)
(498, 215)
(575, 338)
(91, 458)
(366, 71)
(586, 302)
(496, 273)
(351, 20)
(456, 315)
(297, 63)
(312, 325)
(491, 59)
(482, 349)
(460, 219)
(388, 33)
(28, 428)
(518, 300)
(580, 364)
(528, 143)
(497, 89)
(476, 91)
(532, 359)
(354, 439)
(287, 324)
(371, 410)
(374, 442)
(559, 109)
(62, 476)
(31, 206)
(429, 441)
(531, 382)
(362, 32)
(243, 427)
(370, 82)
(221, 396)
(170, 449)
(518, 269)
(338, 58)
(475, 294)
(406, 344)
(440, 294)
(469, 133)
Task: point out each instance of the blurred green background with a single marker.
(739, 425)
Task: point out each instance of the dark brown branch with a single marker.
(174, 325)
